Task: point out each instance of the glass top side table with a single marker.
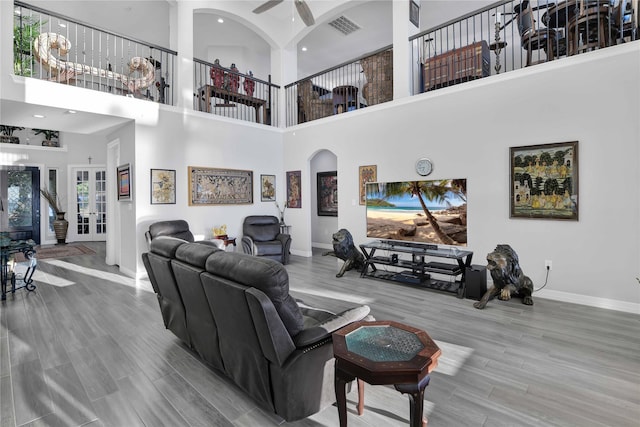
(384, 352)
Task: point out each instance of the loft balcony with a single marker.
(495, 39)
(57, 48)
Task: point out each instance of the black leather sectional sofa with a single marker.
(236, 312)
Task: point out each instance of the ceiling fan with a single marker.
(301, 5)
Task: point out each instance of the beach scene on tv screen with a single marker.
(432, 212)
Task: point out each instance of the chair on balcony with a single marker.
(534, 39)
(591, 29)
(311, 106)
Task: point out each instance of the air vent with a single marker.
(344, 25)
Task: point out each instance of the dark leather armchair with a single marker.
(262, 237)
(177, 229)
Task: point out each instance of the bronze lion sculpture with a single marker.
(507, 276)
(344, 249)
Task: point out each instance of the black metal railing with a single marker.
(230, 93)
(508, 35)
(363, 82)
(57, 48)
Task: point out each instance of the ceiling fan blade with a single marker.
(305, 12)
(266, 6)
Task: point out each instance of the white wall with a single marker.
(178, 141)
(467, 131)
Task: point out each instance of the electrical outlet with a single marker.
(548, 264)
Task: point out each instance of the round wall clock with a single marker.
(424, 166)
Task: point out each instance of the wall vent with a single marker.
(344, 25)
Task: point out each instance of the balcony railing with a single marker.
(363, 82)
(509, 35)
(229, 93)
(54, 47)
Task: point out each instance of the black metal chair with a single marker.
(531, 38)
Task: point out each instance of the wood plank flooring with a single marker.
(95, 353)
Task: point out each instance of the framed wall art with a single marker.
(294, 192)
(544, 181)
(328, 193)
(366, 174)
(267, 188)
(163, 187)
(210, 186)
(414, 13)
(124, 182)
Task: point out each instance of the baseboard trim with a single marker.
(627, 307)
(129, 273)
(305, 254)
(328, 246)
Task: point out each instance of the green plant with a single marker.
(25, 30)
(48, 134)
(53, 200)
(8, 130)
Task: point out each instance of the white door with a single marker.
(89, 221)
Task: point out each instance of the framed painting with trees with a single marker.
(544, 181)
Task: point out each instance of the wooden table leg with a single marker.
(340, 385)
(360, 396)
(416, 401)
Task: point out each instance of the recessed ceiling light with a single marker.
(304, 48)
(39, 116)
(220, 20)
(61, 25)
(17, 12)
(71, 111)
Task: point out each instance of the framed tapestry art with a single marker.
(544, 181)
(267, 188)
(328, 193)
(209, 186)
(366, 174)
(163, 187)
(124, 182)
(294, 193)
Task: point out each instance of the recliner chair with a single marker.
(262, 238)
(178, 229)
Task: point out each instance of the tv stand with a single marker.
(417, 270)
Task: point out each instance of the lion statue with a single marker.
(507, 277)
(344, 249)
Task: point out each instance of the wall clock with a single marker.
(424, 166)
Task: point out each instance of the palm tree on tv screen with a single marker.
(432, 190)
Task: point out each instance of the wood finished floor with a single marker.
(92, 350)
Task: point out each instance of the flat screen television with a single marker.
(433, 212)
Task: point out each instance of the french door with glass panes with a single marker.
(90, 192)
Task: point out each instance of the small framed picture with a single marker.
(328, 193)
(124, 182)
(294, 192)
(366, 174)
(163, 187)
(267, 188)
(414, 13)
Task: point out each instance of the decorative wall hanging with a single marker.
(209, 186)
(366, 174)
(544, 181)
(163, 187)
(124, 182)
(294, 193)
(327, 193)
(267, 188)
